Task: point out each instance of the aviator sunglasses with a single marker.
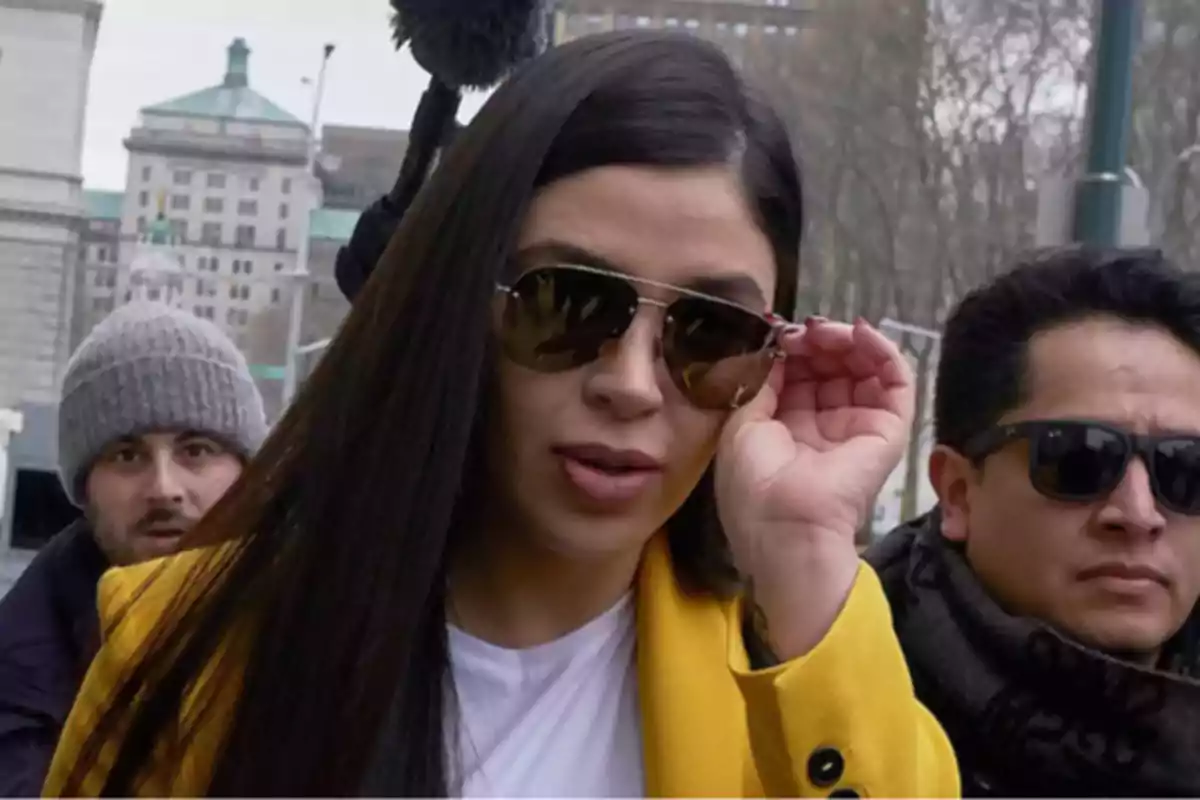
(1081, 461)
(560, 317)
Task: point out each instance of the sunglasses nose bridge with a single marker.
(1134, 503)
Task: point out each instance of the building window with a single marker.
(214, 264)
(243, 316)
(214, 205)
(253, 184)
(102, 254)
(286, 187)
(99, 281)
(210, 233)
(692, 24)
(279, 266)
(248, 208)
(283, 210)
(180, 202)
(741, 29)
(112, 256)
(179, 229)
(245, 292)
(143, 199)
(202, 263)
(643, 22)
(183, 177)
(216, 180)
(248, 266)
(141, 225)
(245, 236)
(771, 30)
(790, 30)
(155, 294)
(230, 316)
(233, 291)
(147, 173)
(275, 296)
(281, 239)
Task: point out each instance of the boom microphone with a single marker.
(462, 44)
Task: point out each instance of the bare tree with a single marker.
(1166, 124)
(923, 126)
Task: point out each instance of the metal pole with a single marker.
(300, 274)
(915, 330)
(1098, 197)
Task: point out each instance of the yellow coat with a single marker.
(841, 719)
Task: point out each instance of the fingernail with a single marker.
(815, 320)
(859, 321)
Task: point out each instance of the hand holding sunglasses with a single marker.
(799, 467)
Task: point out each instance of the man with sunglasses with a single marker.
(1047, 606)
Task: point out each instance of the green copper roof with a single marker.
(335, 224)
(159, 231)
(231, 99)
(101, 204)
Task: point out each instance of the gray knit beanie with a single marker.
(150, 367)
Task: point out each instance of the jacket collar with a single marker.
(1029, 711)
(694, 730)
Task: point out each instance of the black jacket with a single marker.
(48, 636)
(1030, 712)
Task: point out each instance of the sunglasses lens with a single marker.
(1077, 461)
(718, 354)
(558, 318)
(1176, 472)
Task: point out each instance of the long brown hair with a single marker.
(339, 530)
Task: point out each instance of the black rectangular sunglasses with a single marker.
(1083, 461)
(559, 317)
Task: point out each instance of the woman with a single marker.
(481, 555)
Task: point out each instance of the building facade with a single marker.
(745, 29)
(359, 165)
(46, 49)
(210, 221)
(224, 166)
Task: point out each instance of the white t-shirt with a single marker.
(556, 720)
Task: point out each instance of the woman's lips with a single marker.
(608, 475)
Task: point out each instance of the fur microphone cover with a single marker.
(468, 43)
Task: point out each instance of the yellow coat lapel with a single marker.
(694, 729)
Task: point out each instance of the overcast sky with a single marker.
(154, 50)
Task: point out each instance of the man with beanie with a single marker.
(158, 416)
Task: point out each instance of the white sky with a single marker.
(154, 50)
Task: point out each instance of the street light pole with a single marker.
(1098, 197)
(300, 274)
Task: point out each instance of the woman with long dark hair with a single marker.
(482, 553)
